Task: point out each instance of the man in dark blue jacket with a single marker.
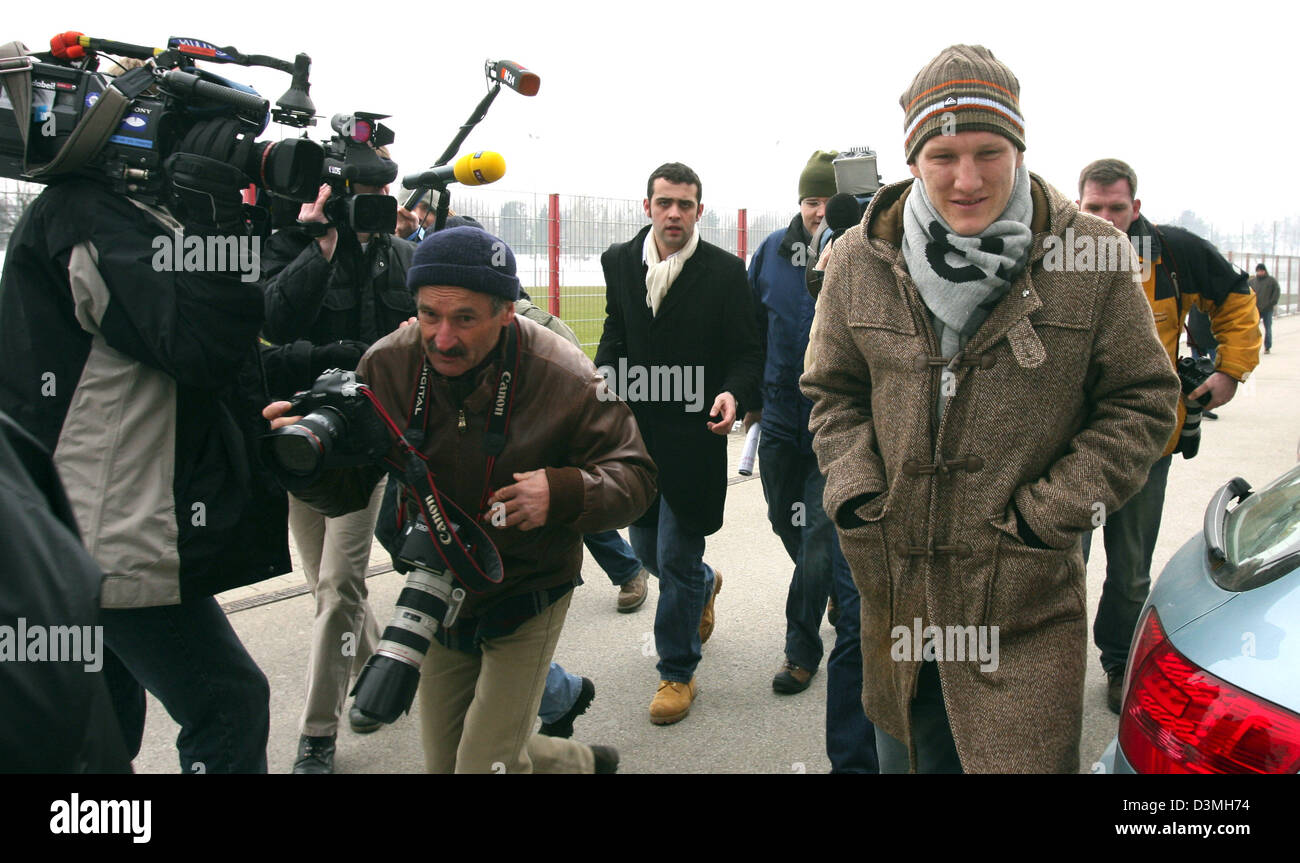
(793, 484)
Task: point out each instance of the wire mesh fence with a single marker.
(1284, 268)
(585, 226)
(582, 227)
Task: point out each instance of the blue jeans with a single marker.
(850, 735)
(936, 751)
(1130, 538)
(190, 658)
(614, 555)
(793, 487)
(562, 689)
(675, 556)
(1267, 319)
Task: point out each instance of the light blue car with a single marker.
(1213, 680)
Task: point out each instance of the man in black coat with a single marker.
(680, 328)
(341, 289)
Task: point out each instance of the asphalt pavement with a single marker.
(737, 725)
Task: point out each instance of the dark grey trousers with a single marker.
(1130, 538)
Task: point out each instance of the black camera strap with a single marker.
(461, 543)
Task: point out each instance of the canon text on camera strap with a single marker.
(436, 509)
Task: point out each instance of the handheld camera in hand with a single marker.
(339, 428)
(60, 116)
(1192, 372)
(445, 552)
(350, 159)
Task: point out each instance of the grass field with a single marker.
(582, 308)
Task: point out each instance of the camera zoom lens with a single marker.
(298, 452)
(302, 448)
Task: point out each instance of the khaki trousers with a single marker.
(477, 712)
(335, 554)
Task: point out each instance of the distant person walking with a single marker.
(1267, 293)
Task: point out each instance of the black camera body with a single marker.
(1192, 372)
(339, 428)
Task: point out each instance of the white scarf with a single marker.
(660, 275)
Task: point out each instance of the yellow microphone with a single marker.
(472, 169)
(477, 169)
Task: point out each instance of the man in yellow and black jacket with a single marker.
(1179, 270)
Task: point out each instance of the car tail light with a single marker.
(1178, 718)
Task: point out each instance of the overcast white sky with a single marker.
(1198, 97)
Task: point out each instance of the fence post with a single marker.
(553, 251)
(742, 233)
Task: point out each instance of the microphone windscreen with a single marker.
(477, 169)
(67, 45)
(842, 212)
(529, 83)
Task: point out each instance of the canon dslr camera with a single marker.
(339, 428)
(1192, 372)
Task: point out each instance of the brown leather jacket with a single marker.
(600, 475)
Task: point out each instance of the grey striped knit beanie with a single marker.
(964, 89)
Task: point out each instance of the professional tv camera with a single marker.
(350, 158)
(61, 116)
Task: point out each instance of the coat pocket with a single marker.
(1032, 586)
(867, 553)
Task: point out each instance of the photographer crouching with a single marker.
(528, 452)
(338, 281)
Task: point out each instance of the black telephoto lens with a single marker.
(303, 448)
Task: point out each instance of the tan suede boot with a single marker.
(672, 702)
(706, 619)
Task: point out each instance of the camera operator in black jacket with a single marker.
(339, 289)
(133, 368)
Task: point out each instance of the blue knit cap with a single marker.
(464, 257)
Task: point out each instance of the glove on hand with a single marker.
(337, 355)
